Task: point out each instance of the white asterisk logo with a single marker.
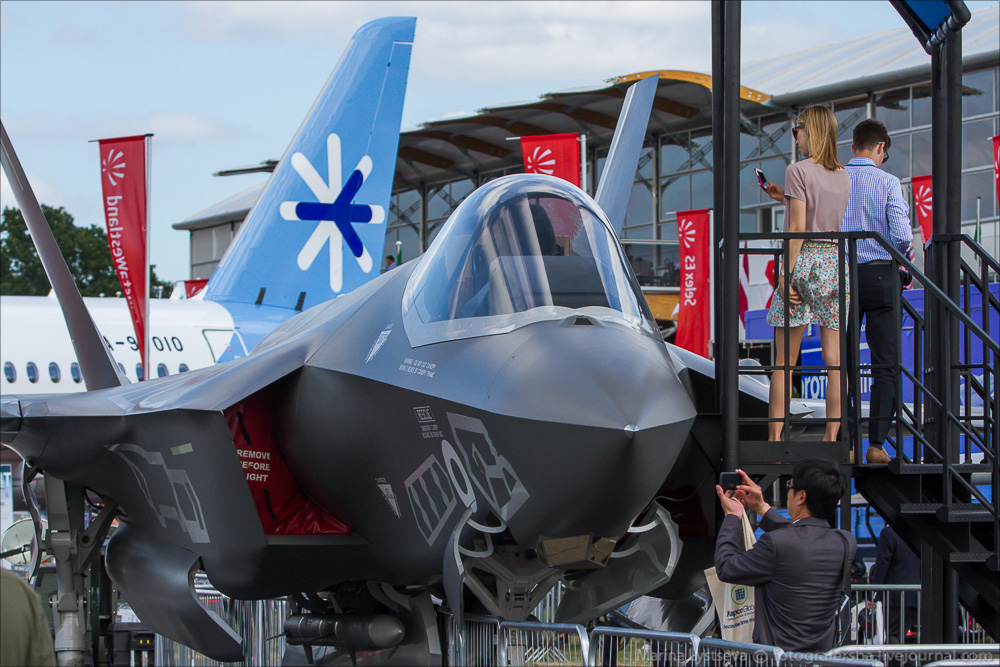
(113, 165)
(540, 162)
(687, 232)
(335, 212)
(923, 200)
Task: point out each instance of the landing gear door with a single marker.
(224, 344)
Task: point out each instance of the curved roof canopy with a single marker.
(452, 148)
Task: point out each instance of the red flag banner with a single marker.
(694, 323)
(996, 163)
(553, 154)
(923, 204)
(123, 181)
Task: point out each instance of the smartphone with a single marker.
(761, 179)
(729, 480)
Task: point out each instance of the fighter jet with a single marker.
(476, 425)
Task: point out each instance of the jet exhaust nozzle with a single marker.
(361, 630)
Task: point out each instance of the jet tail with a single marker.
(623, 158)
(318, 229)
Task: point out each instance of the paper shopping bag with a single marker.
(734, 603)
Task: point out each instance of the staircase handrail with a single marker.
(928, 284)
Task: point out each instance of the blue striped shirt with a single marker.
(877, 205)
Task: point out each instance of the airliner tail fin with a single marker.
(318, 229)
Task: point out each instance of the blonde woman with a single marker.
(815, 194)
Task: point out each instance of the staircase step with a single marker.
(788, 453)
(920, 508)
(963, 513)
(971, 557)
(902, 468)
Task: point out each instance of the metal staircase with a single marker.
(940, 491)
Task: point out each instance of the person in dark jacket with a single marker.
(798, 566)
(895, 563)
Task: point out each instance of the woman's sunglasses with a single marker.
(796, 128)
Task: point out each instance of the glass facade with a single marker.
(675, 173)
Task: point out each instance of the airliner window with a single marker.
(183, 368)
(138, 371)
(9, 371)
(121, 367)
(74, 372)
(54, 373)
(161, 370)
(518, 250)
(31, 370)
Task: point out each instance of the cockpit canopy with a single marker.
(520, 249)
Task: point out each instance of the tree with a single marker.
(85, 250)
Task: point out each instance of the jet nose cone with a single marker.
(599, 374)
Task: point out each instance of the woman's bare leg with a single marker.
(776, 404)
(830, 341)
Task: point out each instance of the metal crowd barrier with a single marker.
(880, 615)
(476, 644)
(259, 622)
(545, 612)
(794, 659)
(623, 647)
(719, 653)
(549, 644)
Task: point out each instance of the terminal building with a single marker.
(883, 75)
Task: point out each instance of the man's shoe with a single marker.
(876, 454)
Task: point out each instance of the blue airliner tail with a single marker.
(319, 227)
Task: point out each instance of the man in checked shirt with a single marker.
(877, 205)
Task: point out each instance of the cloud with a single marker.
(469, 42)
(179, 128)
(74, 36)
(186, 128)
(44, 192)
(270, 20)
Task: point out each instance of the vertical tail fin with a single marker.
(319, 225)
(623, 157)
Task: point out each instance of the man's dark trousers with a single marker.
(877, 288)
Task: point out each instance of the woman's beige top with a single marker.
(825, 193)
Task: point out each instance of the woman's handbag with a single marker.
(734, 603)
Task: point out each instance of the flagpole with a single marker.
(145, 305)
(711, 281)
(583, 161)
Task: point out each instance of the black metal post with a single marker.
(931, 592)
(731, 163)
(953, 212)
(935, 255)
(725, 165)
(718, 181)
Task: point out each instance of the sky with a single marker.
(227, 84)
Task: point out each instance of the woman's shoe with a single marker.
(876, 454)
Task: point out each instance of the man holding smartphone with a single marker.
(799, 566)
(877, 205)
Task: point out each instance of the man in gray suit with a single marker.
(797, 565)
